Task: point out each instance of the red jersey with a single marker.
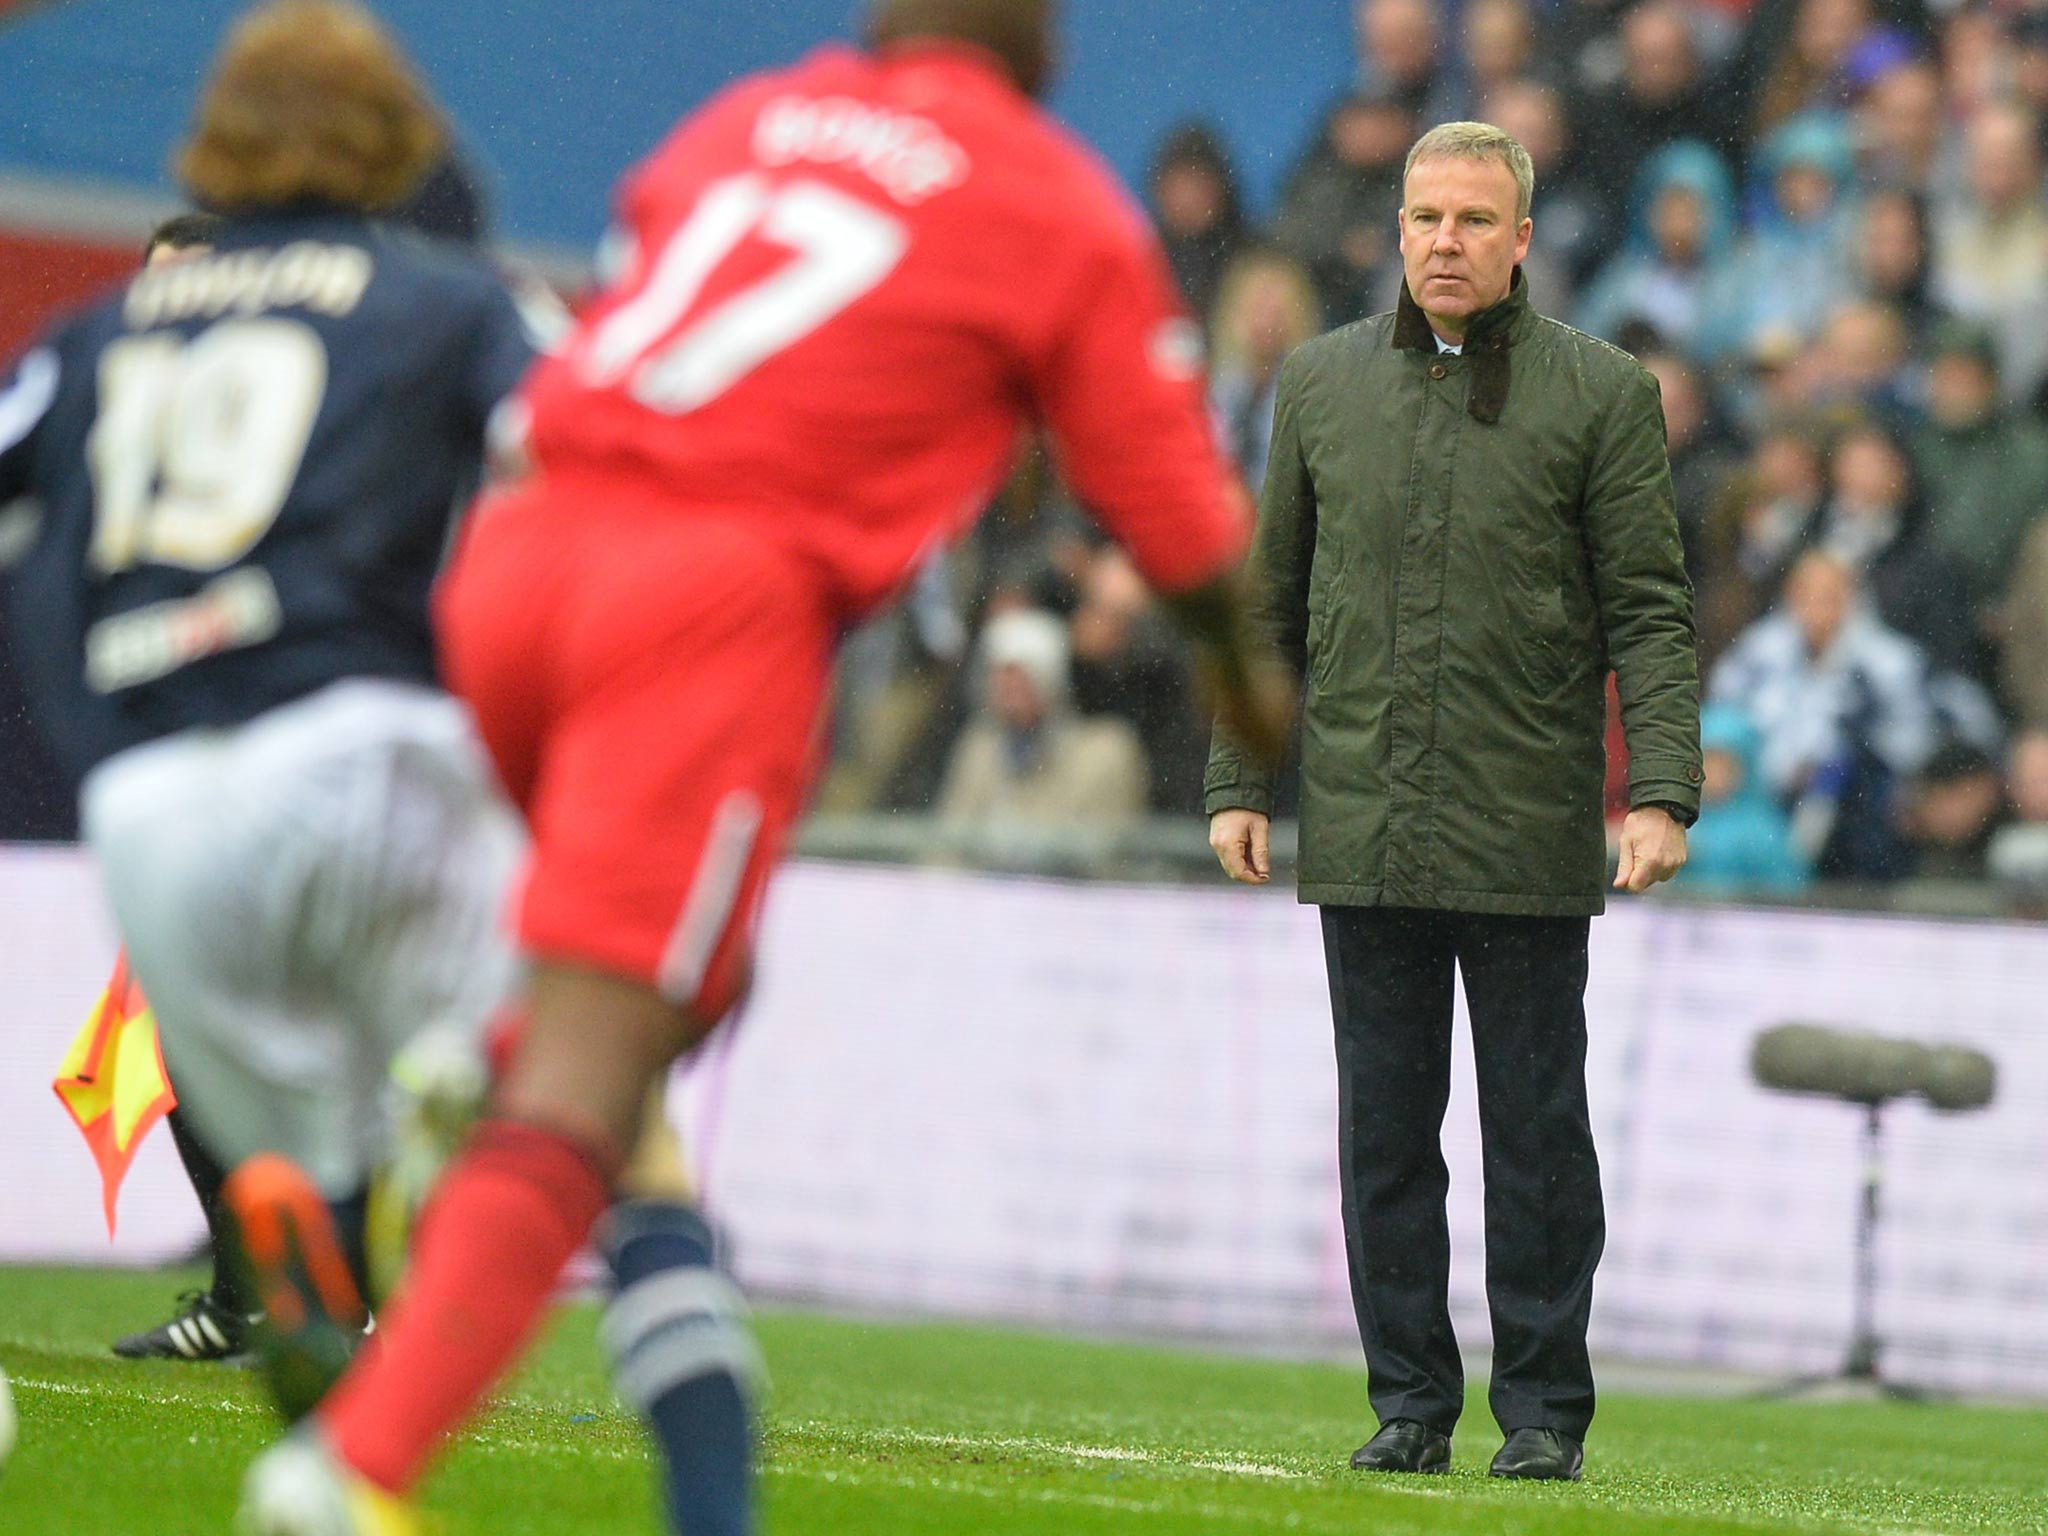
(846, 287)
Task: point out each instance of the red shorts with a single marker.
(650, 684)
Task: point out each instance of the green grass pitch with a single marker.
(922, 1429)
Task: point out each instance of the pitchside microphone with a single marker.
(1871, 1069)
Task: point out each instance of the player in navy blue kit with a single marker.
(249, 464)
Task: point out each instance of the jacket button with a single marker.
(1438, 371)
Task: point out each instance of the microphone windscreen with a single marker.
(1960, 1078)
(1806, 1058)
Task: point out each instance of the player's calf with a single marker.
(682, 1352)
(302, 1275)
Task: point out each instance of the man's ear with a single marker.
(1522, 238)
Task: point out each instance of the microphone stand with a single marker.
(1859, 1377)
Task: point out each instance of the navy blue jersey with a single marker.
(248, 464)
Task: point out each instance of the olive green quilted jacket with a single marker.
(1455, 551)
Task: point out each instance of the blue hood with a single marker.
(1819, 139)
(1697, 166)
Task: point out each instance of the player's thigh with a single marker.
(198, 886)
(673, 772)
(438, 956)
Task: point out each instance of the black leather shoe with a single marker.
(1403, 1445)
(1540, 1453)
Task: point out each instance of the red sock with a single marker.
(511, 1212)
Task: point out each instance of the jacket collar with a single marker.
(1487, 340)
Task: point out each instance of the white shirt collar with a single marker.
(1443, 346)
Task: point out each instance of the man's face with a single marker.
(1819, 593)
(1904, 113)
(1960, 390)
(2028, 773)
(1371, 134)
(1497, 40)
(1014, 698)
(1532, 114)
(1787, 469)
(1460, 239)
(1891, 249)
(2004, 168)
(1399, 36)
(1870, 473)
(1678, 220)
(1805, 192)
(1722, 775)
(1190, 198)
(1657, 55)
(1684, 411)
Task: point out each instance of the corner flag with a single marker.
(113, 1082)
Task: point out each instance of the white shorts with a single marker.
(302, 896)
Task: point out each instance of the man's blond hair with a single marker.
(1478, 141)
(310, 101)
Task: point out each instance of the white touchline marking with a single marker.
(497, 1442)
(1235, 1466)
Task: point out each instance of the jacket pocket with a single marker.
(1543, 628)
(1325, 599)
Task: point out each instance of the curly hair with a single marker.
(311, 101)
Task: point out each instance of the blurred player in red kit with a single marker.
(840, 293)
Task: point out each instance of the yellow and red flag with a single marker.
(113, 1082)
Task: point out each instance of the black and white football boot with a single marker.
(203, 1330)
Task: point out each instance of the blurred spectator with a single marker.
(1992, 245)
(1743, 839)
(1267, 308)
(2030, 64)
(2023, 663)
(1900, 128)
(1195, 204)
(1702, 456)
(1985, 467)
(1756, 528)
(1789, 272)
(1337, 214)
(1843, 708)
(1129, 663)
(1663, 96)
(1974, 60)
(1401, 56)
(2018, 855)
(1026, 758)
(1859, 364)
(1894, 262)
(1500, 47)
(895, 675)
(1950, 811)
(1683, 222)
(1874, 524)
(1832, 42)
(1572, 231)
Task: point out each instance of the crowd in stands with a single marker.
(1823, 225)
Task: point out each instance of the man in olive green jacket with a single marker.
(1466, 523)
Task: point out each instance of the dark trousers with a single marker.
(1390, 992)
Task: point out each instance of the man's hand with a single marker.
(1241, 840)
(1652, 849)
